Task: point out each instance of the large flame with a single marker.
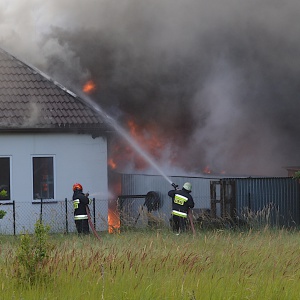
(121, 154)
(150, 140)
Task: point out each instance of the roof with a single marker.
(295, 168)
(32, 101)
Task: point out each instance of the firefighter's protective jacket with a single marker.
(80, 201)
(181, 202)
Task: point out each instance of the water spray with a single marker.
(129, 139)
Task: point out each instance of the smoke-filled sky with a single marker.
(219, 80)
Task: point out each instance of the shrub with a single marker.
(3, 194)
(297, 175)
(32, 254)
(2, 213)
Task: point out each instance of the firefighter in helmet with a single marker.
(80, 201)
(182, 201)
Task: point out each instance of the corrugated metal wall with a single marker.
(137, 184)
(278, 198)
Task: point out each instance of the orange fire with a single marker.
(147, 137)
(121, 153)
(113, 214)
(89, 87)
(149, 140)
(207, 170)
(112, 164)
(113, 221)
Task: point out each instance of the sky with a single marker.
(215, 83)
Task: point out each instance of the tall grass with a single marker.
(160, 265)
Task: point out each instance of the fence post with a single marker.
(14, 216)
(94, 209)
(67, 223)
(41, 213)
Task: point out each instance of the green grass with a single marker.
(160, 265)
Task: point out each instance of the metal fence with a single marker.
(258, 201)
(58, 214)
(275, 201)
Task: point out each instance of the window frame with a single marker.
(54, 175)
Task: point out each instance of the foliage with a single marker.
(3, 194)
(31, 255)
(297, 175)
(216, 264)
(2, 213)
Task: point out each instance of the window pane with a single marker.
(43, 178)
(4, 178)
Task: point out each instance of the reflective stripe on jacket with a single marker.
(179, 213)
(80, 217)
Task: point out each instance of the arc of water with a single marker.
(129, 139)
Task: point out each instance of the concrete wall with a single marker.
(77, 158)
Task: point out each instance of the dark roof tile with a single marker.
(24, 90)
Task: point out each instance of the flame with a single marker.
(112, 164)
(207, 170)
(147, 137)
(89, 87)
(113, 221)
(113, 218)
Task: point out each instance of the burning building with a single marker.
(197, 73)
(203, 86)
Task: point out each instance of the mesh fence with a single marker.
(134, 212)
(21, 217)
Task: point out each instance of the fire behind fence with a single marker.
(58, 214)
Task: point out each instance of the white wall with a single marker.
(77, 158)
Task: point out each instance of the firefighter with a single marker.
(182, 202)
(80, 201)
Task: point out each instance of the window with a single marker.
(5, 178)
(43, 187)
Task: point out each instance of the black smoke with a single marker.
(221, 79)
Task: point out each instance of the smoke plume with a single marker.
(219, 79)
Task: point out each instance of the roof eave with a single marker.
(94, 131)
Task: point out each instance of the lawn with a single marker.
(160, 265)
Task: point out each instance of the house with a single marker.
(49, 139)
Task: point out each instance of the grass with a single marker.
(160, 265)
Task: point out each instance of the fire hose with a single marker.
(91, 223)
(189, 212)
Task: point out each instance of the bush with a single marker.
(31, 255)
(2, 213)
(297, 175)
